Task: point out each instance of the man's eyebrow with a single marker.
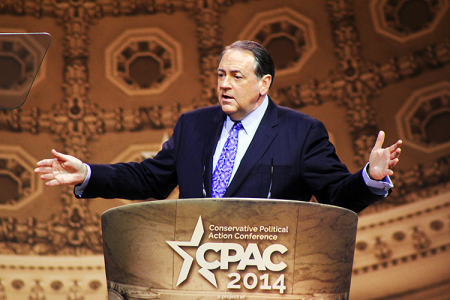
(231, 71)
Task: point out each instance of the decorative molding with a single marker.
(409, 233)
(136, 50)
(397, 69)
(52, 278)
(285, 29)
(356, 83)
(388, 17)
(18, 166)
(418, 111)
(137, 153)
(419, 182)
(76, 121)
(73, 231)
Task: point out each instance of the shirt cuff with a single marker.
(379, 187)
(79, 189)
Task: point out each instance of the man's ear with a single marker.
(264, 84)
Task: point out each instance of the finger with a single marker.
(394, 163)
(47, 176)
(396, 153)
(380, 140)
(45, 162)
(52, 182)
(395, 146)
(43, 170)
(59, 155)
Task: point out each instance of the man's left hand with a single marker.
(382, 160)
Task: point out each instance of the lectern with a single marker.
(229, 248)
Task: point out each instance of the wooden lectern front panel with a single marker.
(228, 249)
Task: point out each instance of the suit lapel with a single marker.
(212, 134)
(261, 141)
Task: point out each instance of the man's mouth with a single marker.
(227, 97)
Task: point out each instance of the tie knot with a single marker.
(237, 126)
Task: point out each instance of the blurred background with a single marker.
(118, 74)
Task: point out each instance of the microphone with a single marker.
(203, 178)
(269, 195)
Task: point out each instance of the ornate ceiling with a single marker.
(77, 121)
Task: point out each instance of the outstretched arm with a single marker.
(63, 169)
(382, 160)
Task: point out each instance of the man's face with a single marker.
(238, 89)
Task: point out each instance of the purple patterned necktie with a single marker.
(222, 173)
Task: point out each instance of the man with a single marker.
(281, 153)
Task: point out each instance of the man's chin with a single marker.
(228, 109)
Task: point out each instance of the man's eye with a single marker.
(237, 77)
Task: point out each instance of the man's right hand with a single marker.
(63, 169)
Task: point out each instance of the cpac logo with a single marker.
(251, 256)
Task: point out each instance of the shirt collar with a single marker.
(250, 123)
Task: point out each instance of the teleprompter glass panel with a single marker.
(21, 55)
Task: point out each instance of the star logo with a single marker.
(188, 260)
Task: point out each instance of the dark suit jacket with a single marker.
(304, 164)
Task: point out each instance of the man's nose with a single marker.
(225, 83)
